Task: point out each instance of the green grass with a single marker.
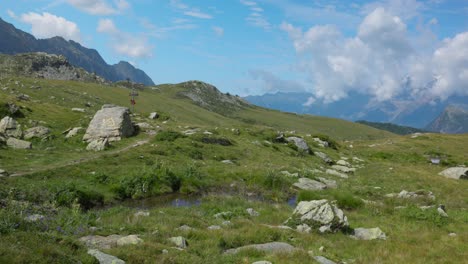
(70, 195)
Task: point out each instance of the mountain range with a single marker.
(401, 111)
(14, 41)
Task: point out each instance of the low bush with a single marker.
(87, 199)
(168, 136)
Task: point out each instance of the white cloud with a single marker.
(189, 11)
(11, 14)
(379, 61)
(405, 9)
(219, 31)
(198, 14)
(256, 17)
(124, 43)
(47, 25)
(100, 7)
(270, 83)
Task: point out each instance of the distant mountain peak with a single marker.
(14, 41)
(453, 120)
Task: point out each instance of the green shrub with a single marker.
(101, 177)
(171, 179)
(87, 199)
(9, 221)
(275, 181)
(331, 142)
(216, 140)
(195, 154)
(415, 213)
(308, 196)
(141, 184)
(347, 200)
(168, 136)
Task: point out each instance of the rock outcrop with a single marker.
(111, 122)
(10, 128)
(368, 234)
(111, 241)
(36, 132)
(300, 143)
(457, 173)
(18, 143)
(321, 214)
(104, 258)
(272, 247)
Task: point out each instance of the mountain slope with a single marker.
(453, 120)
(14, 41)
(400, 130)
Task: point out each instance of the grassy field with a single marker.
(101, 194)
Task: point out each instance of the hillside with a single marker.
(453, 120)
(201, 180)
(400, 130)
(14, 41)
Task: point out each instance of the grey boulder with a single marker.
(299, 143)
(111, 122)
(457, 173)
(310, 185)
(10, 128)
(320, 213)
(98, 145)
(104, 258)
(271, 248)
(368, 234)
(36, 132)
(18, 144)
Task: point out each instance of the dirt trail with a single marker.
(81, 160)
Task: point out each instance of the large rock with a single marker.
(111, 122)
(36, 132)
(110, 241)
(299, 143)
(153, 115)
(310, 185)
(368, 234)
(321, 214)
(457, 173)
(270, 248)
(18, 144)
(336, 173)
(10, 128)
(104, 258)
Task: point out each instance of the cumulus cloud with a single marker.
(47, 25)
(100, 7)
(124, 43)
(380, 61)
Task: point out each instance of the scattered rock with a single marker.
(368, 234)
(3, 173)
(270, 248)
(18, 144)
(13, 109)
(98, 145)
(412, 195)
(310, 185)
(299, 142)
(144, 126)
(441, 211)
(227, 162)
(184, 228)
(223, 215)
(336, 173)
(88, 104)
(457, 173)
(324, 157)
(416, 135)
(165, 251)
(252, 212)
(154, 115)
(262, 262)
(288, 174)
(214, 227)
(190, 132)
(73, 132)
(80, 110)
(321, 143)
(36, 132)
(111, 122)
(331, 184)
(343, 163)
(323, 260)
(319, 213)
(142, 213)
(104, 258)
(34, 218)
(179, 242)
(111, 241)
(23, 97)
(226, 223)
(452, 234)
(10, 128)
(343, 169)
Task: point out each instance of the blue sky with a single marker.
(329, 48)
